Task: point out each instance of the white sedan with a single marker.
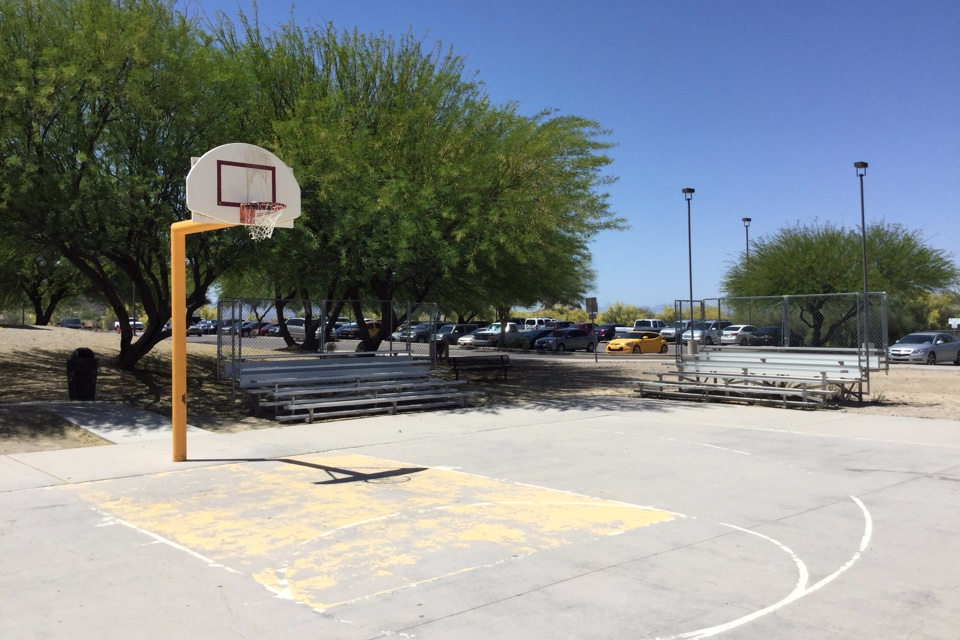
(737, 334)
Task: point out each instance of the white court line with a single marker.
(109, 520)
(798, 592)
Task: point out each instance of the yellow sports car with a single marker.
(637, 342)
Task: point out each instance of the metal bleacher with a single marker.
(316, 387)
(787, 377)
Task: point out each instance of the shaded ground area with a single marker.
(33, 368)
(27, 429)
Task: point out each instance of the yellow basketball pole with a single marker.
(178, 308)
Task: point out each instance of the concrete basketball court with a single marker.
(604, 518)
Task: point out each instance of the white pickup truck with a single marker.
(649, 324)
(490, 336)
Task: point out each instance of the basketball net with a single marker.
(261, 217)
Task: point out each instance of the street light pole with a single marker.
(746, 262)
(688, 195)
(861, 168)
(746, 227)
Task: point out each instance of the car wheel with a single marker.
(743, 342)
(932, 358)
(708, 340)
(591, 348)
(421, 340)
(561, 348)
(636, 349)
(957, 361)
(663, 348)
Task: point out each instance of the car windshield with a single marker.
(917, 338)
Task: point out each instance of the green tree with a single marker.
(102, 103)
(825, 259)
(623, 314)
(414, 186)
(39, 276)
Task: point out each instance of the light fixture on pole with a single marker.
(688, 195)
(861, 168)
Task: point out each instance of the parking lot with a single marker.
(274, 342)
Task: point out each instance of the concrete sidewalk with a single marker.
(115, 422)
(606, 518)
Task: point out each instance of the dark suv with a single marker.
(71, 323)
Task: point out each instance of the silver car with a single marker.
(925, 346)
(671, 331)
(567, 340)
(706, 331)
(467, 340)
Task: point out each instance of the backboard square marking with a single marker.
(252, 185)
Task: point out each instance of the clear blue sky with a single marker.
(762, 107)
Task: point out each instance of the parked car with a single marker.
(737, 334)
(526, 339)
(353, 331)
(606, 331)
(706, 331)
(671, 331)
(71, 323)
(266, 328)
(649, 324)
(297, 328)
(586, 326)
(339, 322)
(637, 342)
(450, 333)
(419, 332)
(467, 340)
(567, 340)
(136, 325)
(536, 323)
(925, 346)
(252, 328)
(772, 336)
(490, 337)
(198, 329)
(561, 324)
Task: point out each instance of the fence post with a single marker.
(785, 322)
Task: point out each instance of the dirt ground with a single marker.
(33, 370)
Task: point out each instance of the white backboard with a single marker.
(229, 175)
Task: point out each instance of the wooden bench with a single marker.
(307, 387)
(479, 363)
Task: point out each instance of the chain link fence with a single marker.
(838, 321)
(264, 328)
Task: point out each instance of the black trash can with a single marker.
(82, 374)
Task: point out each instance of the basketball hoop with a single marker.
(261, 217)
